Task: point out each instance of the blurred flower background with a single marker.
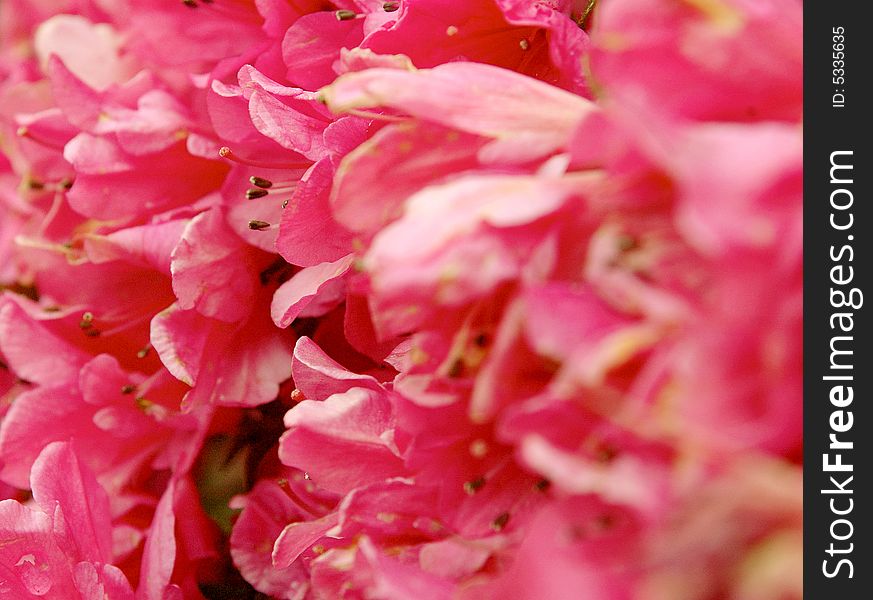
(407, 299)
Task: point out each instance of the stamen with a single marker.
(391, 6)
(296, 397)
(300, 502)
(144, 351)
(128, 389)
(366, 114)
(25, 132)
(582, 21)
(260, 182)
(225, 152)
(189, 3)
(345, 15)
(524, 44)
(500, 522)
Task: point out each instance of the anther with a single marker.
(500, 522)
(87, 321)
(456, 369)
(144, 351)
(542, 485)
(143, 403)
(34, 184)
(259, 225)
(285, 203)
(254, 193)
(66, 183)
(606, 453)
(260, 182)
(478, 448)
(391, 6)
(189, 3)
(345, 15)
(128, 389)
(524, 44)
(451, 30)
(297, 396)
(471, 487)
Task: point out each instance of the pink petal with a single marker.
(265, 512)
(474, 98)
(416, 155)
(357, 422)
(312, 45)
(297, 537)
(211, 269)
(319, 376)
(101, 582)
(294, 295)
(62, 485)
(159, 552)
(31, 350)
(308, 234)
(288, 127)
(145, 245)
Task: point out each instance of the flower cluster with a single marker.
(321, 299)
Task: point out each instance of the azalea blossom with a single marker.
(407, 299)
